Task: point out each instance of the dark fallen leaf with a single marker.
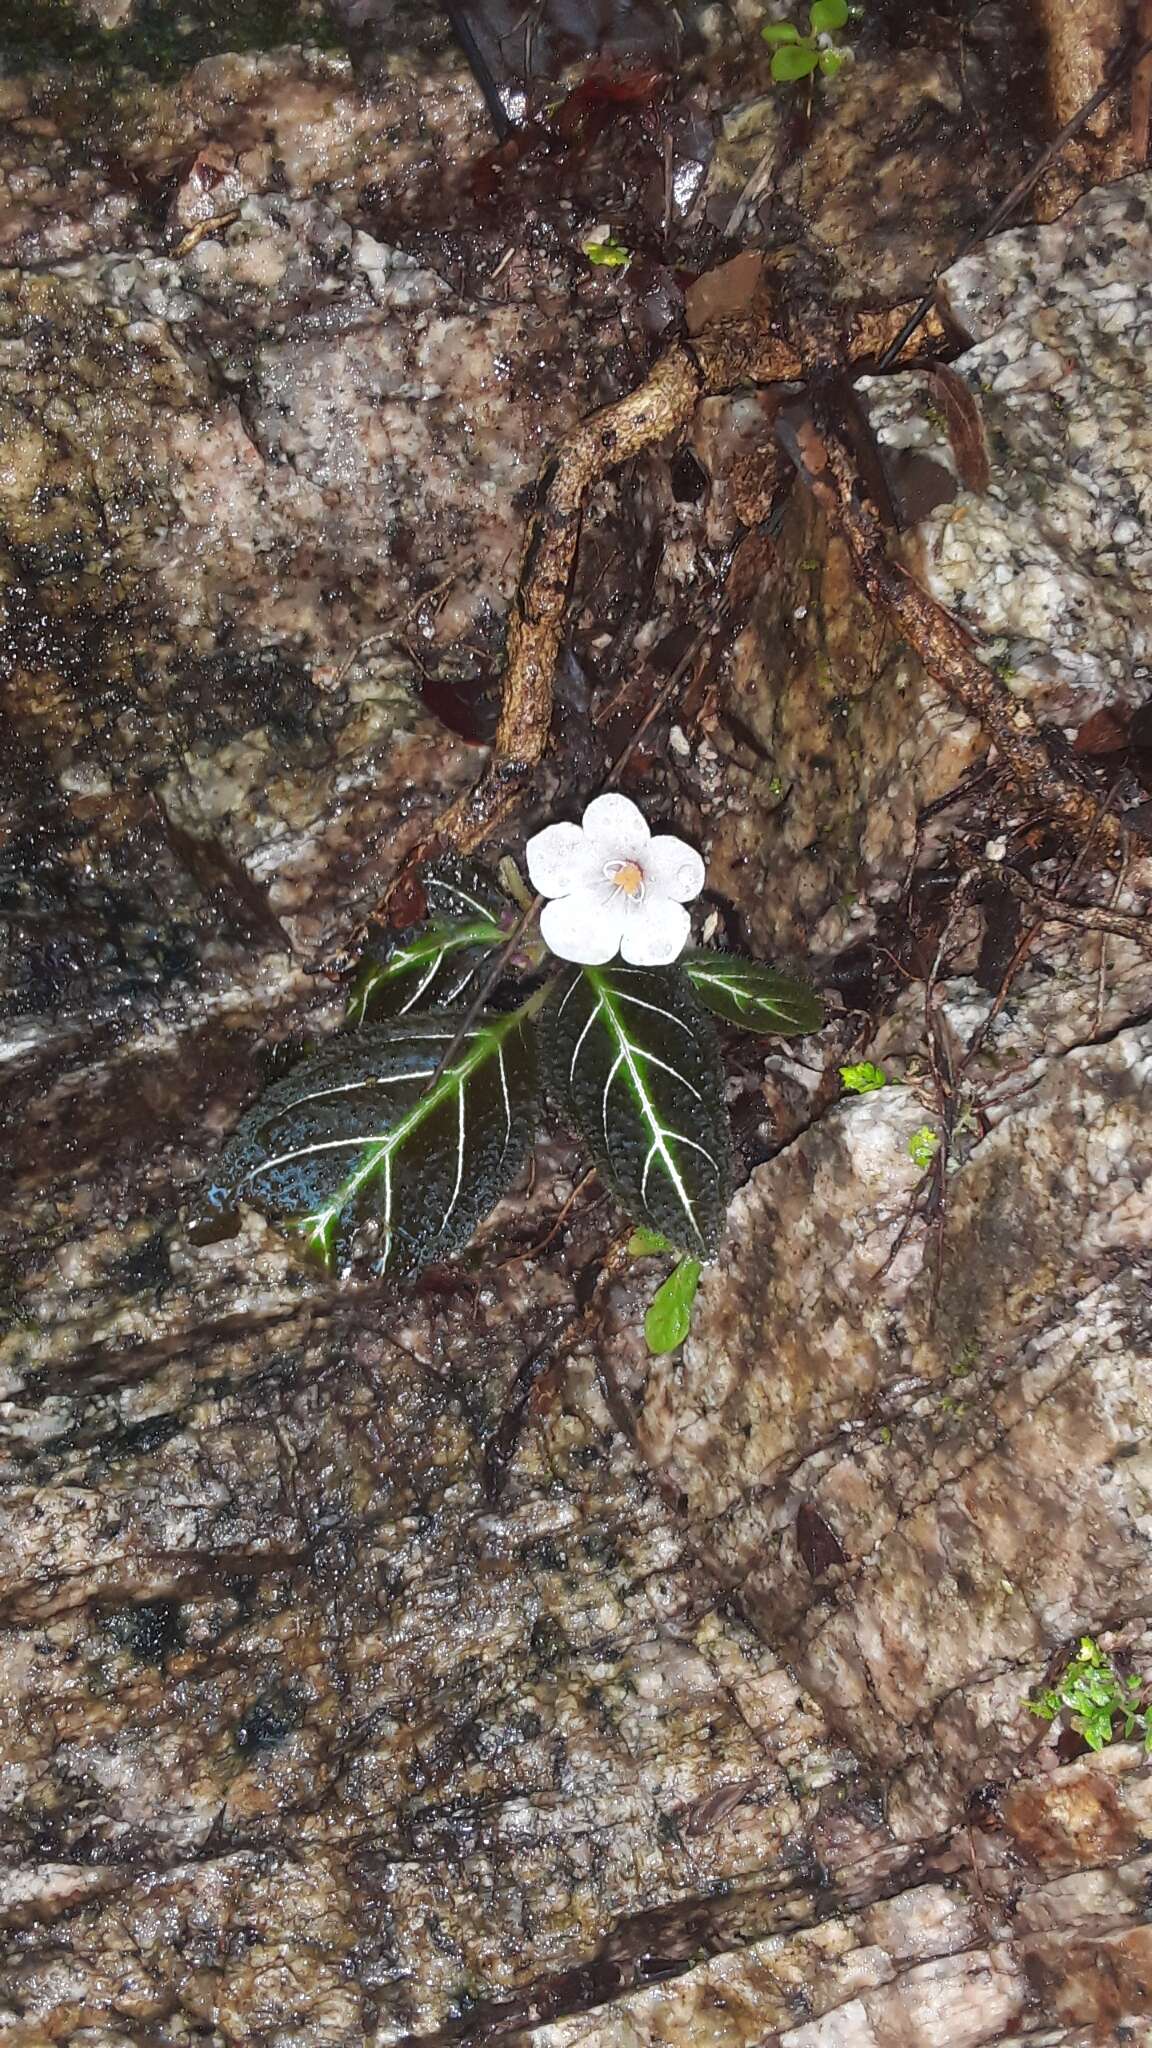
(965, 423)
(1001, 935)
(1106, 732)
(920, 485)
(1070, 1744)
(720, 293)
(817, 1541)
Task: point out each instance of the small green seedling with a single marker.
(669, 1316)
(863, 1079)
(607, 253)
(645, 1244)
(795, 56)
(1095, 1698)
(923, 1146)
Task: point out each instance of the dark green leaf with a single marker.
(755, 997)
(352, 1152)
(433, 964)
(459, 890)
(669, 1316)
(633, 1060)
(794, 60)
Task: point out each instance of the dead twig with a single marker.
(1048, 909)
(1125, 62)
(770, 345)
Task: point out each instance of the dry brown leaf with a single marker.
(720, 293)
(965, 423)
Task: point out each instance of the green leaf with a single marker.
(350, 1151)
(923, 1146)
(669, 1316)
(832, 61)
(863, 1078)
(645, 1244)
(827, 15)
(609, 254)
(793, 61)
(633, 1061)
(755, 997)
(434, 963)
(780, 32)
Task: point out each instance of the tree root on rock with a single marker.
(944, 646)
(789, 337)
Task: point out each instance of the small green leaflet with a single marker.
(863, 1078)
(633, 1062)
(433, 963)
(752, 996)
(669, 1316)
(646, 1244)
(794, 60)
(352, 1152)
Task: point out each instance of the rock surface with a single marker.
(332, 1711)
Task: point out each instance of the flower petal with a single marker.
(656, 933)
(615, 828)
(559, 860)
(582, 927)
(673, 869)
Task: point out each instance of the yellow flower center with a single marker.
(629, 876)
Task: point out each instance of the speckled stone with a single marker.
(319, 1726)
(1052, 565)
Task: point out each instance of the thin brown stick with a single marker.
(1118, 70)
(1048, 909)
(533, 1251)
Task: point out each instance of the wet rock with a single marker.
(1053, 561)
(335, 1710)
(834, 734)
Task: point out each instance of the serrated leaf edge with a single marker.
(319, 1228)
(443, 939)
(626, 1059)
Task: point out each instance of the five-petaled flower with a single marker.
(614, 888)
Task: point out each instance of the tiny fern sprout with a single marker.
(1100, 1705)
(385, 1148)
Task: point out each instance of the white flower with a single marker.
(615, 888)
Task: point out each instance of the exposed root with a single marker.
(790, 336)
(1048, 909)
(942, 643)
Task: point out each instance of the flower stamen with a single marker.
(627, 876)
